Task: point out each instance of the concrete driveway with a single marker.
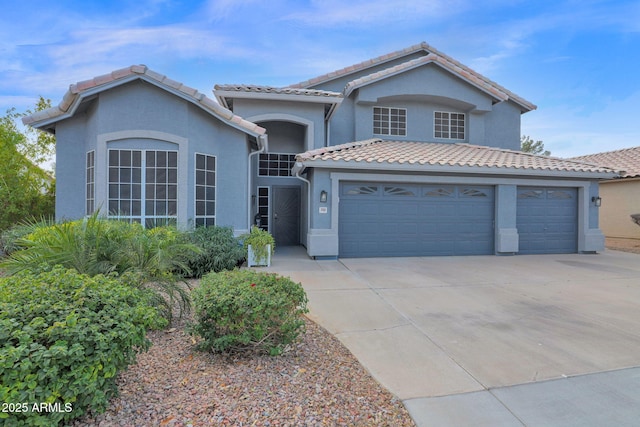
(549, 340)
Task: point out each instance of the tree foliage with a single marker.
(528, 145)
(26, 190)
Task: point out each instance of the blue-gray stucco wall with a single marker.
(139, 115)
(310, 115)
(71, 148)
(421, 92)
(338, 84)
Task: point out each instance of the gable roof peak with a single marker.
(79, 91)
(422, 46)
(432, 55)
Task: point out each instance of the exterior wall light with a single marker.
(323, 196)
(597, 200)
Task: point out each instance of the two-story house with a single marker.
(407, 154)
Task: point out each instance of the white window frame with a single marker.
(206, 186)
(391, 127)
(291, 159)
(143, 218)
(90, 182)
(268, 205)
(447, 125)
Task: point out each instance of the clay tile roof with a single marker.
(377, 151)
(627, 160)
(362, 65)
(278, 90)
(73, 97)
(433, 55)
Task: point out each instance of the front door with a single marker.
(286, 216)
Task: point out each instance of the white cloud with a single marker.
(499, 41)
(21, 103)
(86, 46)
(566, 131)
(86, 53)
(328, 13)
(215, 10)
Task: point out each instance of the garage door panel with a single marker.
(390, 209)
(547, 220)
(437, 247)
(412, 220)
(410, 229)
(367, 228)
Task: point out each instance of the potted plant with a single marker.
(259, 246)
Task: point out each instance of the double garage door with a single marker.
(381, 219)
(390, 219)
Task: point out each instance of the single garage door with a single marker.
(382, 220)
(547, 220)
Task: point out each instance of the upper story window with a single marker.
(276, 164)
(389, 121)
(448, 125)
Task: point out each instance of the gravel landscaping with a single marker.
(317, 382)
(625, 245)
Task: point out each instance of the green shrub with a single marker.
(63, 338)
(10, 237)
(220, 250)
(258, 239)
(244, 310)
(96, 245)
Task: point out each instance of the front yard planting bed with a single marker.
(316, 382)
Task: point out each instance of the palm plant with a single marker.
(96, 245)
(9, 238)
(74, 245)
(156, 256)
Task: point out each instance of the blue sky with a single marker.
(577, 60)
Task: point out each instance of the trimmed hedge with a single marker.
(63, 338)
(248, 311)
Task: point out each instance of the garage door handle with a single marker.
(275, 216)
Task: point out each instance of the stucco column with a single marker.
(506, 233)
(590, 237)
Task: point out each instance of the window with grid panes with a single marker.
(205, 183)
(389, 121)
(448, 125)
(143, 186)
(275, 164)
(263, 207)
(91, 183)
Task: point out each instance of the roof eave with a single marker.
(59, 114)
(74, 98)
(423, 46)
(623, 179)
(493, 92)
(315, 99)
(457, 169)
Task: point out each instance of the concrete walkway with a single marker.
(549, 340)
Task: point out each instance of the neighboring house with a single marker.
(410, 153)
(620, 197)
